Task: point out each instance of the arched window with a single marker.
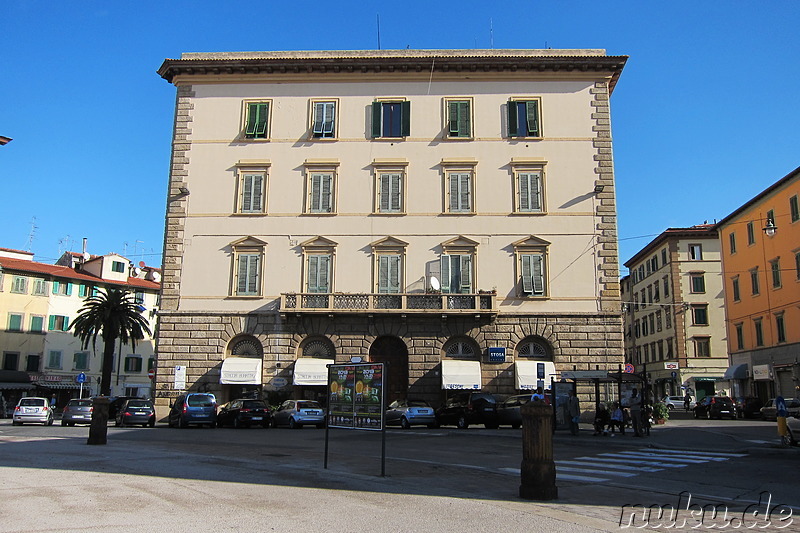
(318, 347)
(535, 348)
(462, 348)
(246, 347)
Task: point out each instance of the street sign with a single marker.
(151, 373)
(80, 378)
(180, 378)
(629, 368)
(674, 374)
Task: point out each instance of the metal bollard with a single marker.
(98, 430)
(538, 469)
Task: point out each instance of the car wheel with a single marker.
(433, 426)
(516, 426)
(63, 422)
(117, 422)
(50, 421)
(293, 424)
(152, 423)
(71, 424)
(15, 423)
(462, 423)
(404, 423)
(236, 423)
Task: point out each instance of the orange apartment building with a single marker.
(761, 268)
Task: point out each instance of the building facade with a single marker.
(674, 313)
(761, 269)
(38, 302)
(450, 213)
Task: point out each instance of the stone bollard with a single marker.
(98, 430)
(538, 468)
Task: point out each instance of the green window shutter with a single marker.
(65, 325)
(261, 124)
(326, 193)
(385, 186)
(258, 194)
(405, 117)
(316, 191)
(51, 325)
(329, 119)
(55, 287)
(527, 278)
(247, 278)
(247, 193)
(454, 192)
(319, 118)
(445, 272)
(464, 186)
(252, 120)
(252, 275)
(69, 289)
(530, 192)
(512, 118)
(82, 291)
(532, 110)
(383, 273)
(377, 108)
(313, 274)
(466, 274)
(241, 276)
(463, 119)
(389, 274)
(323, 285)
(394, 192)
(37, 323)
(14, 322)
(394, 273)
(538, 273)
(453, 119)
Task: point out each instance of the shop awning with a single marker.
(15, 386)
(60, 385)
(241, 371)
(533, 374)
(736, 372)
(461, 375)
(311, 371)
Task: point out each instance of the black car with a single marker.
(469, 407)
(715, 407)
(508, 412)
(136, 412)
(116, 403)
(749, 407)
(244, 413)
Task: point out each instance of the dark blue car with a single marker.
(197, 408)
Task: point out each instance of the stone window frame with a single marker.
(247, 246)
(532, 245)
(389, 166)
(459, 166)
(319, 246)
(253, 167)
(312, 167)
(243, 136)
(447, 121)
(388, 246)
(312, 110)
(520, 166)
(317, 340)
(460, 342)
(534, 340)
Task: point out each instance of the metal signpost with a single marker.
(81, 378)
(357, 400)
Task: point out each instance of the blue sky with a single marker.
(705, 115)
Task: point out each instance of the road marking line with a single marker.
(642, 455)
(634, 460)
(592, 471)
(571, 477)
(720, 454)
(619, 467)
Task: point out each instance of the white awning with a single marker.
(533, 374)
(241, 371)
(461, 375)
(311, 371)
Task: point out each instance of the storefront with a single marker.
(737, 375)
(532, 375)
(241, 378)
(311, 378)
(14, 385)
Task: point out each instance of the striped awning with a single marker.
(58, 385)
(15, 386)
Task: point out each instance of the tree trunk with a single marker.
(108, 362)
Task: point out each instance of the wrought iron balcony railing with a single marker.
(388, 303)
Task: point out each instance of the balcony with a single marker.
(397, 303)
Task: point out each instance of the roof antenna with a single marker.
(31, 235)
(491, 34)
(378, 16)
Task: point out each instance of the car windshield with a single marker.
(32, 402)
(139, 403)
(792, 402)
(484, 397)
(417, 403)
(308, 405)
(80, 403)
(254, 404)
(200, 400)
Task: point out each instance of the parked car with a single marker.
(770, 412)
(299, 413)
(136, 411)
(793, 425)
(748, 407)
(676, 402)
(715, 407)
(193, 408)
(409, 413)
(508, 412)
(77, 411)
(244, 413)
(469, 407)
(32, 409)
(115, 403)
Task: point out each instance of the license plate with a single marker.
(256, 418)
(424, 411)
(140, 413)
(313, 413)
(30, 410)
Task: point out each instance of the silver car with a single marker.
(77, 412)
(32, 409)
(408, 413)
(793, 425)
(298, 413)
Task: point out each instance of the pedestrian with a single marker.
(687, 401)
(636, 412)
(573, 412)
(601, 420)
(538, 396)
(53, 401)
(617, 419)
(3, 406)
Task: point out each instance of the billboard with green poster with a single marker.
(355, 396)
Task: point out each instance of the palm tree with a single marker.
(112, 315)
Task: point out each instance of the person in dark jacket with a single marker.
(601, 420)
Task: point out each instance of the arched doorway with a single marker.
(393, 352)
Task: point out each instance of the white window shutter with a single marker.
(383, 273)
(466, 274)
(538, 273)
(527, 278)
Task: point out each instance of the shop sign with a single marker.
(497, 355)
(180, 378)
(671, 366)
(762, 372)
(355, 396)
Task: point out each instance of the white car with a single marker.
(32, 409)
(676, 402)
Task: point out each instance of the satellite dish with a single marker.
(141, 264)
(435, 283)
(156, 276)
(137, 271)
(86, 256)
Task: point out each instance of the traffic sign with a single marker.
(674, 374)
(80, 378)
(151, 373)
(629, 368)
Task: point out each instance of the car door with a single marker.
(393, 414)
(282, 414)
(175, 412)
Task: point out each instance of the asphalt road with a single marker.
(436, 480)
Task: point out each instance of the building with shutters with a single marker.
(415, 207)
(38, 302)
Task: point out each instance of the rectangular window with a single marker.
(644, 299)
(58, 323)
(80, 361)
(248, 274)
(529, 191)
(14, 322)
(700, 315)
(456, 273)
(666, 286)
(636, 301)
(251, 196)
(664, 256)
(735, 289)
(668, 318)
(151, 363)
(523, 118)
(459, 186)
(794, 208)
(133, 363)
(637, 329)
(645, 329)
(83, 291)
(649, 294)
(797, 265)
(64, 288)
(698, 283)
(390, 192)
(37, 324)
(459, 120)
(391, 119)
(256, 120)
(39, 287)
(755, 289)
(54, 359)
(389, 269)
(702, 346)
(759, 332)
(775, 266)
(751, 233)
(320, 192)
(658, 321)
(780, 327)
(10, 361)
(532, 268)
(696, 252)
(138, 297)
(32, 363)
(652, 319)
(740, 336)
(19, 284)
(324, 120)
(669, 349)
(770, 217)
(656, 292)
(732, 241)
(319, 273)
(117, 266)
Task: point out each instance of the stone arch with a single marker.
(461, 347)
(534, 347)
(393, 351)
(317, 346)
